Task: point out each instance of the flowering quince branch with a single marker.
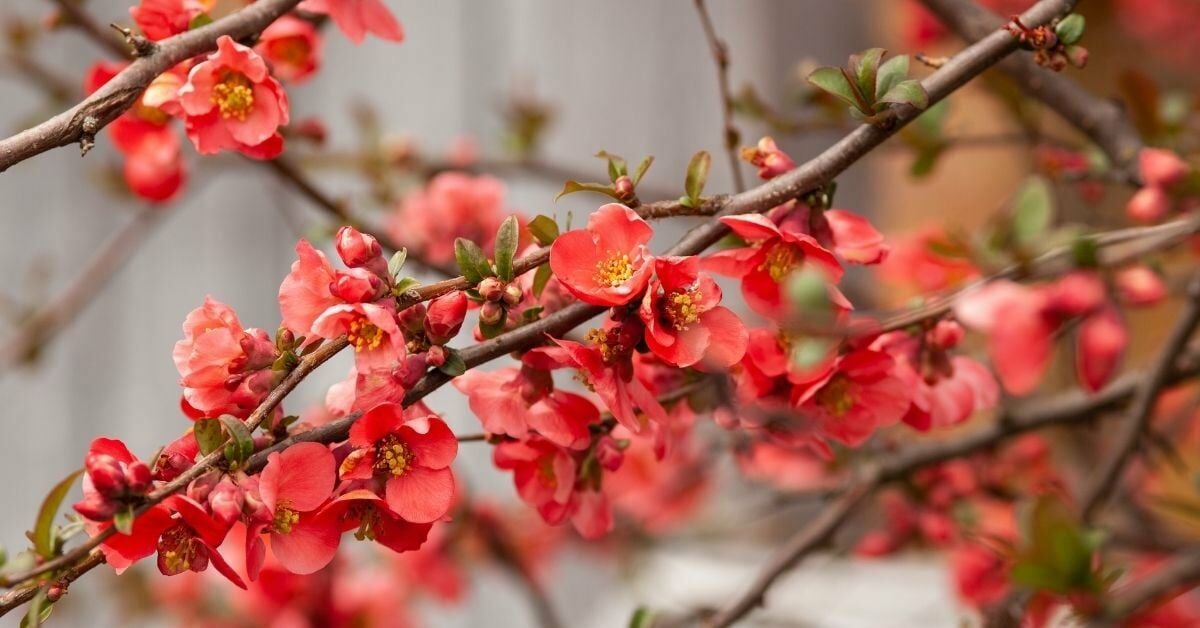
(729, 132)
(83, 121)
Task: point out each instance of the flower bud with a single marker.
(312, 129)
(445, 315)
(55, 592)
(609, 453)
(770, 160)
(623, 187)
(1149, 205)
(1078, 56)
(359, 250)
(108, 478)
(1139, 285)
(259, 352)
(138, 477)
(513, 295)
(946, 334)
(535, 383)
(411, 371)
(226, 501)
(435, 356)
(491, 313)
(96, 508)
(412, 318)
(357, 285)
(1077, 293)
(1161, 168)
(491, 289)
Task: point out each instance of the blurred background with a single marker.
(635, 78)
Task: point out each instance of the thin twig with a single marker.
(730, 137)
(103, 36)
(1180, 573)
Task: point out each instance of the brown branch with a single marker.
(730, 136)
(17, 597)
(1180, 573)
(79, 18)
(81, 122)
(36, 330)
(1142, 408)
(1102, 121)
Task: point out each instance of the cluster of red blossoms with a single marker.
(230, 100)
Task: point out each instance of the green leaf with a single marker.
(1037, 576)
(891, 73)
(471, 261)
(397, 262)
(404, 284)
(201, 19)
(866, 67)
(907, 92)
(39, 609)
(1033, 211)
(833, 81)
(454, 364)
(43, 529)
(506, 247)
(616, 165)
(697, 174)
(641, 169)
(1070, 29)
(540, 279)
(642, 618)
(241, 443)
(924, 162)
(544, 229)
(571, 187)
(123, 520)
(208, 435)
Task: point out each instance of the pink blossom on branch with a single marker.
(608, 263)
(356, 18)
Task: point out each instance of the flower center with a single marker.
(781, 259)
(836, 396)
(233, 96)
(683, 308)
(367, 517)
(285, 518)
(607, 342)
(392, 456)
(614, 271)
(364, 335)
(545, 471)
(177, 549)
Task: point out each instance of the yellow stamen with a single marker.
(781, 259)
(683, 308)
(392, 456)
(364, 335)
(233, 96)
(177, 549)
(614, 271)
(285, 518)
(836, 396)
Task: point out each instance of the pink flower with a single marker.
(293, 47)
(160, 19)
(224, 368)
(545, 477)
(772, 254)
(453, 205)
(514, 402)
(304, 294)
(607, 263)
(768, 158)
(607, 369)
(412, 457)
(356, 18)
(231, 102)
(854, 238)
(684, 324)
(371, 519)
(371, 330)
(294, 486)
(1103, 338)
(929, 261)
(856, 396)
(1019, 334)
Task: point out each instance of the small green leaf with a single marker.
(1033, 211)
(404, 284)
(642, 618)
(1037, 576)
(697, 174)
(454, 364)
(833, 81)
(866, 67)
(907, 92)
(616, 164)
(571, 187)
(397, 262)
(506, 247)
(208, 435)
(1070, 29)
(891, 73)
(641, 169)
(43, 530)
(544, 229)
(201, 19)
(471, 261)
(540, 279)
(1086, 252)
(123, 520)
(241, 443)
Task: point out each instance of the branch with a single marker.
(1143, 403)
(81, 19)
(36, 330)
(1179, 574)
(81, 122)
(720, 53)
(1102, 121)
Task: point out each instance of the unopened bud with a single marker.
(946, 334)
(491, 313)
(360, 250)
(357, 285)
(1078, 56)
(55, 592)
(108, 478)
(226, 502)
(491, 289)
(435, 356)
(412, 318)
(138, 477)
(444, 317)
(1148, 205)
(609, 454)
(513, 295)
(96, 508)
(1161, 168)
(623, 187)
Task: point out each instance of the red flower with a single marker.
(231, 102)
(453, 205)
(545, 478)
(768, 158)
(606, 368)
(1103, 338)
(372, 520)
(160, 19)
(114, 476)
(294, 486)
(224, 368)
(772, 255)
(412, 457)
(684, 324)
(856, 396)
(607, 263)
(854, 238)
(293, 47)
(1019, 335)
(514, 402)
(356, 18)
